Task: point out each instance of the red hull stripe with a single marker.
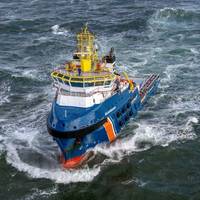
(108, 125)
(73, 162)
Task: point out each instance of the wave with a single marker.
(19, 25)
(176, 14)
(174, 19)
(146, 136)
(170, 73)
(57, 174)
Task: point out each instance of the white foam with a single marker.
(58, 175)
(59, 31)
(33, 73)
(4, 93)
(162, 16)
(40, 193)
(29, 73)
(146, 136)
(135, 180)
(43, 38)
(182, 107)
(170, 72)
(4, 99)
(1, 144)
(194, 51)
(18, 139)
(193, 119)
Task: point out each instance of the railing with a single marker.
(147, 84)
(82, 81)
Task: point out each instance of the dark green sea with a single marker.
(157, 156)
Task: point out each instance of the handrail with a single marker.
(148, 83)
(83, 79)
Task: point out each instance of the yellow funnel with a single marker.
(86, 65)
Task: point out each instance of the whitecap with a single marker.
(193, 120)
(194, 51)
(59, 31)
(4, 93)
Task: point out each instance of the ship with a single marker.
(94, 100)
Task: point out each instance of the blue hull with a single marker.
(82, 129)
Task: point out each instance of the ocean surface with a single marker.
(158, 154)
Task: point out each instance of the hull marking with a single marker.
(110, 130)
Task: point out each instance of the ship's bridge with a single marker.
(83, 91)
(86, 80)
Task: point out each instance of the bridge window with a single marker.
(99, 83)
(66, 82)
(66, 77)
(80, 84)
(60, 75)
(107, 82)
(89, 79)
(60, 80)
(55, 73)
(89, 84)
(76, 79)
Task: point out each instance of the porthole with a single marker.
(121, 123)
(128, 105)
(126, 117)
(118, 114)
(130, 113)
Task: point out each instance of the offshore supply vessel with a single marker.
(93, 101)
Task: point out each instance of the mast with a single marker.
(86, 50)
